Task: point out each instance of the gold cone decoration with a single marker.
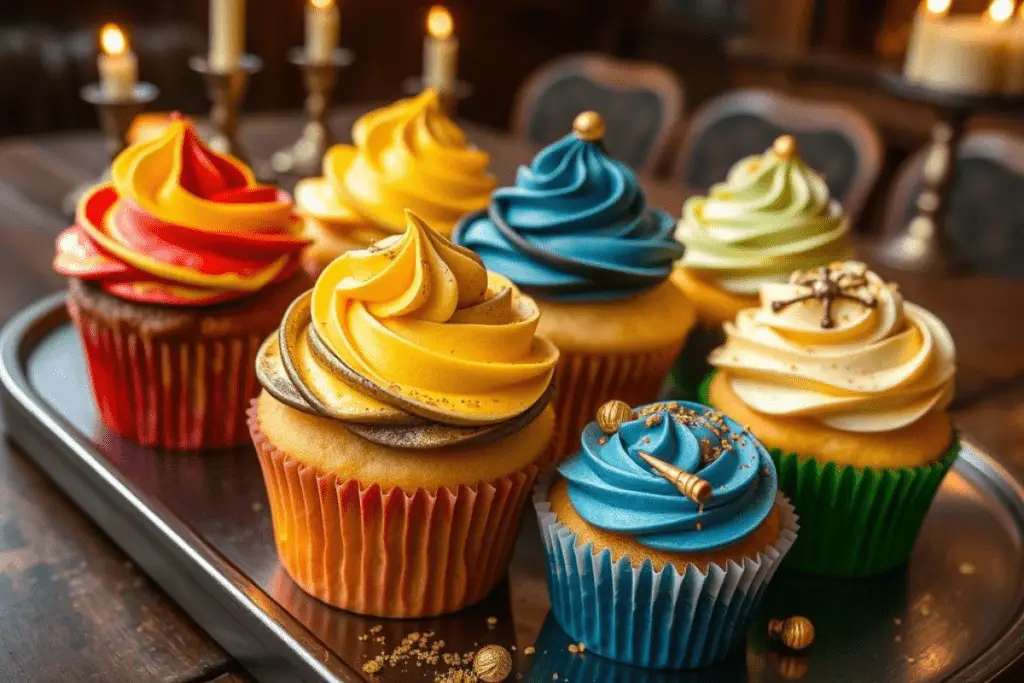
(690, 485)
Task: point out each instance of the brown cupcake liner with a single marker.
(170, 393)
(584, 381)
(394, 553)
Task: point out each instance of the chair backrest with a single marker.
(985, 214)
(834, 139)
(641, 103)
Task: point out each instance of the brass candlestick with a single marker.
(226, 90)
(447, 99)
(116, 115)
(303, 157)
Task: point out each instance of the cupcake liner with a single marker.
(584, 381)
(654, 619)
(390, 553)
(855, 522)
(691, 367)
(176, 394)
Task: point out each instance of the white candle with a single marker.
(119, 69)
(322, 25)
(227, 34)
(1014, 81)
(927, 23)
(440, 51)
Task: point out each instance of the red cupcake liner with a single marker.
(173, 394)
(395, 553)
(585, 381)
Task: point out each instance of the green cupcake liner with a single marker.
(854, 522)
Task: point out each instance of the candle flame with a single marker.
(112, 40)
(1000, 10)
(439, 22)
(321, 4)
(938, 6)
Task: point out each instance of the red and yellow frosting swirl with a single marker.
(180, 225)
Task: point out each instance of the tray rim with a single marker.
(223, 600)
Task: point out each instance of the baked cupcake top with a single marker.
(408, 155)
(839, 345)
(575, 226)
(677, 477)
(771, 216)
(180, 225)
(412, 343)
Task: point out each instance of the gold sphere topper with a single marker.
(785, 147)
(492, 664)
(612, 414)
(690, 485)
(589, 126)
(796, 633)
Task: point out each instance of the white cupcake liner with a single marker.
(654, 619)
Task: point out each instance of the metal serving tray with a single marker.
(199, 525)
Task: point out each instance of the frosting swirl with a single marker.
(408, 155)
(878, 368)
(612, 487)
(771, 216)
(575, 226)
(180, 225)
(414, 330)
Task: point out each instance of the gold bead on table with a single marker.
(796, 633)
(589, 126)
(492, 664)
(612, 414)
(784, 147)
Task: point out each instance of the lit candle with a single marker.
(227, 34)
(440, 51)
(927, 23)
(119, 69)
(322, 24)
(1000, 11)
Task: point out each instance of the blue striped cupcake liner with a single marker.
(654, 619)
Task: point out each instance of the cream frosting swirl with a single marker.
(877, 368)
(408, 155)
(771, 216)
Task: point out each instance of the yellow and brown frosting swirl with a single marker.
(870, 362)
(408, 155)
(412, 342)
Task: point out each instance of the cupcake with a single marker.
(771, 216)
(408, 155)
(405, 409)
(661, 534)
(848, 385)
(179, 267)
(576, 232)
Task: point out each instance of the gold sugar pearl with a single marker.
(588, 126)
(796, 633)
(612, 414)
(785, 147)
(492, 664)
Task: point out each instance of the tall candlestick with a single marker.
(118, 67)
(440, 51)
(227, 34)
(323, 21)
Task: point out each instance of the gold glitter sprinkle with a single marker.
(967, 568)
(372, 667)
(492, 621)
(529, 650)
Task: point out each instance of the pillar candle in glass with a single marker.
(323, 21)
(118, 67)
(440, 51)
(227, 34)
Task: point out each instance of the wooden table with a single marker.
(74, 608)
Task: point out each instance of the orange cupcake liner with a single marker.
(394, 553)
(584, 381)
(170, 393)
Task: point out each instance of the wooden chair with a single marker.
(985, 214)
(641, 103)
(834, 139)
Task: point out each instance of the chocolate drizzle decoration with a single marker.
(828, 285)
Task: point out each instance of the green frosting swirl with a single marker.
(771, 216)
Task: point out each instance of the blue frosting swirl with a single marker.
(575, 226)
(613, 488)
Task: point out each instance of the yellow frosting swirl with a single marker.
(422, 319)
(408, 155)
(877, 369)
